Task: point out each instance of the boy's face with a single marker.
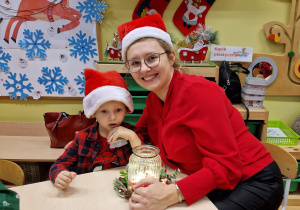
(109, 115)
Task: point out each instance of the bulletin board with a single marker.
(45, 45)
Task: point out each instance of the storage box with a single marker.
(139, 102)
(253, 93)
(256, 84)
(132, 118)
(294, 182)
(253, 125)
(132, 85)
(291, 136)
(252, 101)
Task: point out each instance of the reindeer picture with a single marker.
(44, 10)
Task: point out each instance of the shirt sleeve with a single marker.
(66, 161)
(208, 117)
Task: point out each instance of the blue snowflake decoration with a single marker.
(91, 9)
(83, 47)
(80, 81)
(18, 86)
(53, 80)
(4, 58)
(34, 44)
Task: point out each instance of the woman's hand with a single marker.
(63, 179)
(156, 196)
(67, 145)
(125, 133)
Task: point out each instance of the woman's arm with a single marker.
(208, 116)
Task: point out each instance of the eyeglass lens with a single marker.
(151, 61)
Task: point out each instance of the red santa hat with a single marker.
(101, 87)
(149, 26)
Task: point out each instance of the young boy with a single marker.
(107, 98)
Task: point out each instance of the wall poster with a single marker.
(45, 45)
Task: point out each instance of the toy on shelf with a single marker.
(254, 91)
(194, 47)
(114, 51)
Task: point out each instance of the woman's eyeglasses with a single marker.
(151, 61)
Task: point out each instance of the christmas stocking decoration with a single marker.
(149, 7)
(190, 14)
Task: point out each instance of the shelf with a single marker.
(210, 71)
(256, 114)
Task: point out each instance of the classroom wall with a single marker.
(240, 23)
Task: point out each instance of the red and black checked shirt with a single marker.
(89, 149)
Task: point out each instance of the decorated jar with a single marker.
(144, 162)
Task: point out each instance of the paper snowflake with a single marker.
(4, 58)
(18, 86)
(34, 44)
(82, 46)
(91, 9)
(53, 80)
(80, 81)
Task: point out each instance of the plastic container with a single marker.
(256, 81)
(139, 102)
(132, 118)
(294, 182)
(132, 85)
(251, 91)
(252, 102)
(253, 125)
(291, 136)
(248, 97)
(256, 84)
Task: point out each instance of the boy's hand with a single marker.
(125, 133)
(63, 179)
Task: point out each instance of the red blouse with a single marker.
(199, 131)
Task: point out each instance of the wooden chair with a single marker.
(288, 166)
(11, 172)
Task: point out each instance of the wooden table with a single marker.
(87, 191)
(28, 149)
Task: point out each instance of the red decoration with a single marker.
(272, 36)
(149, 7)
(186, 54)
(190, 14)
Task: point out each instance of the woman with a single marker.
(196, 129)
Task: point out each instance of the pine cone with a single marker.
(127, 194)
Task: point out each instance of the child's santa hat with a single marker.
(101, 87)
(149, 26)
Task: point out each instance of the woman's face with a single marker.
(155, 79)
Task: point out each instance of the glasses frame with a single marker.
(159, 54)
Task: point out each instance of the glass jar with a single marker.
(144, 162)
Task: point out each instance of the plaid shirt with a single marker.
(89, 150)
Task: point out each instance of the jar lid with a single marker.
(145, 151)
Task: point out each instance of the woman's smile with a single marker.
(149, 77)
